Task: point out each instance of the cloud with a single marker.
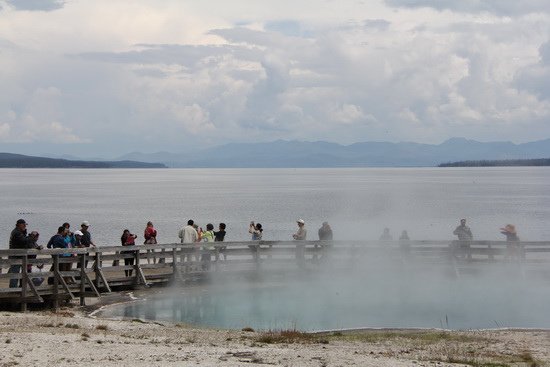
(378, 24)
(4, 130)
(347, 114)
(534, 78)
(497, 7)
(137, 75)
(37, 5)
(38, 120)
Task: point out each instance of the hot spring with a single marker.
(373, 294)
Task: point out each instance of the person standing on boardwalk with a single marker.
(219, 237)
(325, 232)
(86, 240)
(463, 231)
(220, 234)
(59, 241)
(513, 247)
(128, 239)
(464, 236)
(18, 240)
(189, 235)
(208, 237)
(70, 235)
(150, 235)
(386, 235)
(301, 234)
(256, 230)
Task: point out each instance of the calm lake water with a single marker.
(359, 203)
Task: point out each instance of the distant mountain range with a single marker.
(295, 154)
(8, 160)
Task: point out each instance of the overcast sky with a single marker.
(106, 77)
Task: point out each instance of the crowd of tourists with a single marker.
(82, 238)
(205, 238)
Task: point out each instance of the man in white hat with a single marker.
(302, 232)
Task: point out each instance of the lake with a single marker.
(358, 202)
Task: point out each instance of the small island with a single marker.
(500, 163)
(9, 160)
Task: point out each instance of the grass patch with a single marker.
(419, 337)
(102, 327)
(72, 326)
(482, 358)
(289, 337)
(247, 329)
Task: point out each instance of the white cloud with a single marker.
(4, 130)
(347, 114)
(499, 7)
(150, 74)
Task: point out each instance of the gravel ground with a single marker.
(71, 337)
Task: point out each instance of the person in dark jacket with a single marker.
(325, 232)
(19, 240)
(86, 240)
(57, 241)
(219, 236)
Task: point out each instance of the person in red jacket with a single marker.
(150, 235)
(128, 239)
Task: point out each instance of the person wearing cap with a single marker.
(86, 240)
(18, 240)
(77, 238)
(301, 234)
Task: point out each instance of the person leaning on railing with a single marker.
(57, 241)
(19, 240)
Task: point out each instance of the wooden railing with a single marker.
(69, 273)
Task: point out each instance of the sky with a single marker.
(106, 77)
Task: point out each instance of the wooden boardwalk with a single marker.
(94, 271)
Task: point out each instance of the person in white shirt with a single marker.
(188, 234)
(302, 232)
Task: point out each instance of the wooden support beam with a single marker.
(24, 282)
(82, 261)
(140, 277)
(99, 276)
(175, 269)
(55, 283)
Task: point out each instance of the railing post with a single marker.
(175, 272)
(216, 258)
(97, 269)
(300, 254)
(24, 279)
(136, 265)
(55, 282)
(82, 259)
